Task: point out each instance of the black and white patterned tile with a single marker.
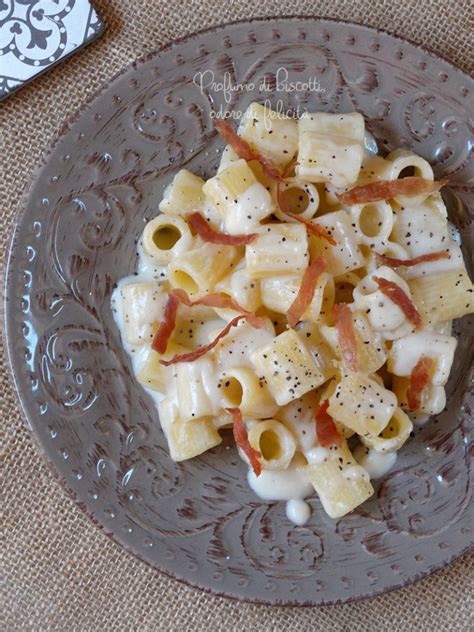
(36, 34)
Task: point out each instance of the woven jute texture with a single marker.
(58, 571)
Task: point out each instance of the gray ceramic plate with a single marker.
(76, 235)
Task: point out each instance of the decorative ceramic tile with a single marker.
(36, 34)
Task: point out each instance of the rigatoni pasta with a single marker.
(302, 298)
(270, 133)
(277, 249)
(165, 238)
(330, 147)
(242, 201)
(183, 195)
(200, 268)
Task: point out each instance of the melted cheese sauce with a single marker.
(252, 206)
(298, 512)
(376, 464)
(289, 484)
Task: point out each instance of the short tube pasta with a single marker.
(373, 223)
(183, 195)
(330, 147)
(188, 439)
(363, 405)
(298, 416)
(165, 238)
(306, 321)
(340, 482)
(407, 351)
(304, 199)
(198, 270)
(278, 293)
(420, 229)
(241, 388)
(278, 249)
(244, 290)
(383, 314)
(346, 255)
(287, 357)
(371, 346)
(196, 389)
(400, 161)
(275, 443)
(393, 436)
(433, 398)
(443, 297)
(152, 374)
(143, 304)
(242, 201)
(270, 132)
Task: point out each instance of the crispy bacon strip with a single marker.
(200, 351)
(326, 430)
(306, 291)
(346, 334)
(245, 151)
(386, 189)
(395, 293)
(166, 328)
(200, 226)
(311, 227)
(421, 374)
(407, 263)
(242, 440)
(220, 301)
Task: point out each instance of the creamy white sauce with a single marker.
(317, 455)
(234, 350)
(290, 484)
(298, 512)
(252, 206)
(376, 464)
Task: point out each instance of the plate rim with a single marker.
(17, 219)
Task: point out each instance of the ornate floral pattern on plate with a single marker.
(76, 237)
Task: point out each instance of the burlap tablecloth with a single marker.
(58, 571)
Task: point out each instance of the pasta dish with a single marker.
(301, 298)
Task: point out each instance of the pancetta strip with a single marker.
(221, 301)
(387, 189)
(421, 374)
(167, 325)
(242, 440)
(306, 291)
(311, 227)
(245, 151)
(346, 334)
(190, 356)
(408, 263)
(201, 227)
(326, 429)
(395, 293)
